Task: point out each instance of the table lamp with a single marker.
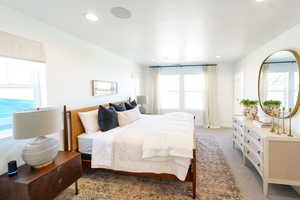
(142, 100)
(37, 124)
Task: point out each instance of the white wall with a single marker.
(71, 65)
(251, 63)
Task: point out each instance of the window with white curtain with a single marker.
(22, 87)
(181, 89)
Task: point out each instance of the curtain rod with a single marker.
(199, 65)
(279, 62)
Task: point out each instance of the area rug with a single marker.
(215, 181)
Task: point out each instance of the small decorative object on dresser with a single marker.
(275, 157)
(250, 108)
(37, 124)
(45, 183)
(142, 100)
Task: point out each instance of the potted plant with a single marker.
(250, 108)
(271, 106)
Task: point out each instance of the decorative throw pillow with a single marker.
(133, 103)
(107, 118)
(118, 107)
(89, 121)
(129, 106)
(129, 116)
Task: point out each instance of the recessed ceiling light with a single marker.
(260, 0)
(218, 56)
(91, 17)
(120, 12)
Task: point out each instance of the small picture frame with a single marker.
(104, 88)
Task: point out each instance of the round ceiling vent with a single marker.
(120, 12)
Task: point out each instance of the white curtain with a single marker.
(211, 102)
(153, 91)
(206, 97)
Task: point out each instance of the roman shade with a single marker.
(21, 48)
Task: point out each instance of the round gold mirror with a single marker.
(278, 83)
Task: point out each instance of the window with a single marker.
(181, 90)
(169, 91)
(22, 87)
(193, 91)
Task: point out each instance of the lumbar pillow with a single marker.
(118, 107)
(107, 118)
(89, 121)
(129, 116)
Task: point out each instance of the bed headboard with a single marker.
(73, 126)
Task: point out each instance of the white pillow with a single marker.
(89, 121)
(129, 116)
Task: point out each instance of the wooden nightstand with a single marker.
(45, 183)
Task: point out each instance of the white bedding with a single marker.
(137, 147)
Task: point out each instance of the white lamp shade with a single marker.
(35, 123)
(141, 99)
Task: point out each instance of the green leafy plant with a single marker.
(248, 102)
(272, 103)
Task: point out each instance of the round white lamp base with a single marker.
(41, 152)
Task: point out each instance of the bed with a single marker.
(125, 149)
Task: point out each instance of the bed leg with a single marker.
(194, 173)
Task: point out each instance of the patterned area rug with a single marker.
(215, 181)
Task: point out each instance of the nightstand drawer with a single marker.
(57, 180)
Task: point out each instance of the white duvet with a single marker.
(154, 143)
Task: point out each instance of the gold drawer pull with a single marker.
(60, 180)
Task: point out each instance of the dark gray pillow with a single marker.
(129, 106)
(107, 118)
(133, 103)
(118, 107)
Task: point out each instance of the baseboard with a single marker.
(227, 124)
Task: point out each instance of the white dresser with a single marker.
(275, 157)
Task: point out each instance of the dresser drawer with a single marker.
(254, 159)
(56, 180)
(256, 137)
(254, 146)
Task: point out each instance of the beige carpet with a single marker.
(215, 181)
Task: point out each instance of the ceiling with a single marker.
(170, 31)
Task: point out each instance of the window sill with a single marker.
(6, 134)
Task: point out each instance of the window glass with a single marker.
(21, 84)
(169, 91)
(193, 91)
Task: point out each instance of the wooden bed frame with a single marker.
(73, 128)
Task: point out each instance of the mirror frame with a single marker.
(296, 107)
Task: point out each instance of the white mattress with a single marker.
(85, 141)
